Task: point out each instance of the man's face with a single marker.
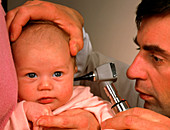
(151, 67)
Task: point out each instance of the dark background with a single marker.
(4, 4)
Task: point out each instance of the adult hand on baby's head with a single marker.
(35, 110)
(66, 18)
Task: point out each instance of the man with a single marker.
(151, 69)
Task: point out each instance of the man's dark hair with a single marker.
(149, 8)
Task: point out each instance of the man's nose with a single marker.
(45, 84)
(137, 69)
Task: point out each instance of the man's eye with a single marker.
(156, 59)
(32, 75)
(57, 74)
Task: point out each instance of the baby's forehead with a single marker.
(46, 38)
(41, 37)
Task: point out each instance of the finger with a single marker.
(21, 18)
(36, 128)
(145, 114)
(60, 122)
(32, 10)
(10, 16)
(71, 112)
(76, 35)
(76, 44)
(28, 12)
(131, 122)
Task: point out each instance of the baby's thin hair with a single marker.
(50, 23)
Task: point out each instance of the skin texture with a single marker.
(151, 69)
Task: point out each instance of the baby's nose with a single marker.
(45, 84)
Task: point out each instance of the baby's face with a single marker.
(45, 72)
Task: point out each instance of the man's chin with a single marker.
(149, 106)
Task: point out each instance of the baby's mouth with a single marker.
(46, 100)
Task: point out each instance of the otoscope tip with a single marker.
(90, 76)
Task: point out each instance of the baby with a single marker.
(45, 71)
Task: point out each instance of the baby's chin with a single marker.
(53, 107)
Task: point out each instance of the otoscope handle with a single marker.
(119, 104)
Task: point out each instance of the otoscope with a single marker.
(106, 75)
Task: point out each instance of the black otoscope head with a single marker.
(90, 76)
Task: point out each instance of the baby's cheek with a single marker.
(25, 94)
(67, 93)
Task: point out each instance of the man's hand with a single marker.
(34, 111)
(138, 119)
(76, 119)
(66, 18)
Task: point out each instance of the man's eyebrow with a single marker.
(153, 48)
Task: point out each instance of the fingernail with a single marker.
(12, 37)
(76, 48)
(40, 122)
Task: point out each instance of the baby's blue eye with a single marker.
(57, 74)
(32, 75)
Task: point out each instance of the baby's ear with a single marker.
(75, 69)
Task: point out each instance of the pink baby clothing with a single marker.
(8, 80)
(81, 98)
